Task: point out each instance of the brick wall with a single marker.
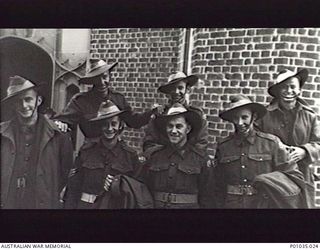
(232, 61)
(229, 61)
(146, 58)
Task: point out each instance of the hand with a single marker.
(63, 127)
(297, 154)
(108, 181)
(157, 109)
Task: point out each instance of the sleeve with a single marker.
(137, 165)
(201, 141)
(281, 160)
(152, 139)
(72, 113)
(66, 156)
(206, 195)
(74, 184)
(219, 182)
(134, 119)
(313, 146)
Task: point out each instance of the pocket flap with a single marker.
(260, 157)
(230, 158)
(93, 165)
(159, 167)
(190, 168)
(121, 167)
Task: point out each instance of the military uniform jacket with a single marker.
(238, 161)
(52, 166)
(171, 171)
(305, 132)
(93, 164)
(86, 103)
(152, 138)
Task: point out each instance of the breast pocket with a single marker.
(261, 162)
(159, 175)
(231, 160)
(187, 178)
(93, 176)
(120, 167)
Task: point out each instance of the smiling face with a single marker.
(177, 130)
(178, 92)
(289, 91)
(243, 120)
(26, 104)
(111, 128)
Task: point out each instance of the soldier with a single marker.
(177, 174)
(291, 119)
(89, 102)
(100, 161)
(35, 156)
(177, 88)
(246, 154)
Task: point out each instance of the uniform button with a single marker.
(243, 154)
(189, 171)
(27, 144)
(172, 164)
(243, 166)
(26, 158)
(260, 159)
(283, 125)
(245, 180)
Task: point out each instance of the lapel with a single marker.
(48, 131)
(6, 130)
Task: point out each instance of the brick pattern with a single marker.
(229, 61)
(232, 61)
(146, 57)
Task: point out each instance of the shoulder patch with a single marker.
(88, 145)
(222, 140)
(267, 136)
(126, 147)
(153, 149)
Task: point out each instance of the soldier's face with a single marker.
(26, 104)
(289, 90)
(243, 120)
(111, 127)
(101, 82)
(178, 92)
(177, 130)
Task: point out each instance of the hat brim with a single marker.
(193, 118)
(11, 97)
(96, 72)
(302, 74)
(94, 118)
(255, 107)
(190, 80)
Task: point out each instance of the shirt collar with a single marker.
(251, 138)
(113, 149)
(274, 105)
(177, 151)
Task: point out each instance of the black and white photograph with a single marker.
(125, 119)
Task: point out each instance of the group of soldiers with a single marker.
(268, 162)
